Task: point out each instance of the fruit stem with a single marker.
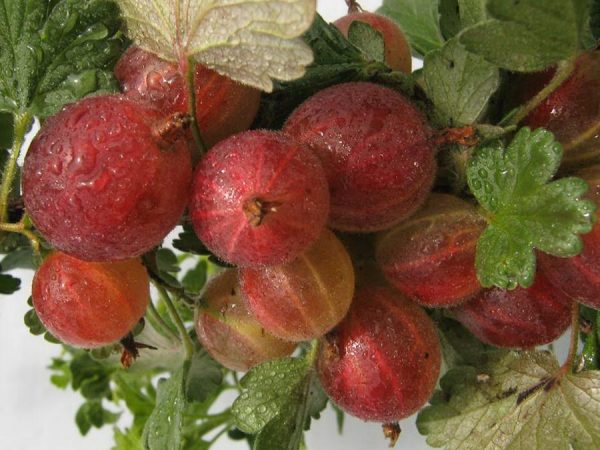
(353, 6)
(20, 228)
(158, 322)
(176, 318)
(212, 422)
(21, 124)
(574, 344)
(564, 70)
(200, 147)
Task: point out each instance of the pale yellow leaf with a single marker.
(251, 41)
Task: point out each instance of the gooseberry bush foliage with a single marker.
(347, 232)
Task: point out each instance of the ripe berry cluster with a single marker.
(330, 221)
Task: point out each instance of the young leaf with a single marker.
(250, 41)
(278, 400)
(368, 40)
(459, 83)
(56, 52)
(528, 35)
(20, 258)
(204, 377)
(163, 428)
(526, 210)
(518, 400)
(418, 19)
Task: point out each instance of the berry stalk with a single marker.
(21, 124)
(564, 69)
(176, 318)
(200, 148)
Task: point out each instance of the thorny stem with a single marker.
(564, 70)
(200, 147)
(568, 365)
(176, 318)
(22, 121)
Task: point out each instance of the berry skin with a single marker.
(229, 332)
(100, 184)
(223, 107)
(430, 257)
(375, 149)
(87, 304)
(259, 198)
(520, 318)
(397, 53)
(305, 298)
(382, 362)
(579, 276)
(571, 112)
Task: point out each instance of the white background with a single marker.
(36, 415)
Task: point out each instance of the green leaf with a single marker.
(56, 52)
(129, 439)
(256, 39)
(595, 19)
(368, 40)
(516, 401)
(528, 35)
(195, 278)
(164, 426)
(20, 258)
(61, 378)
(460, 84)
(336, 60)
(188, 242)
(526, 210)
(460, 347)
(278, 399)
(449, 18)
(9, 284)
(33, 323)
(456, 15)
(204, 377)
(418, 19)
(6, 130)
(92, 414)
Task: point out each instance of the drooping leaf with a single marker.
(419, 20)
(163, 428)
(278, 400)
(516, 401)
(368, 40)
(204, 377)
(528, 35)
(250, 41)
(56, 52)
(460, 84)
(526, 210)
